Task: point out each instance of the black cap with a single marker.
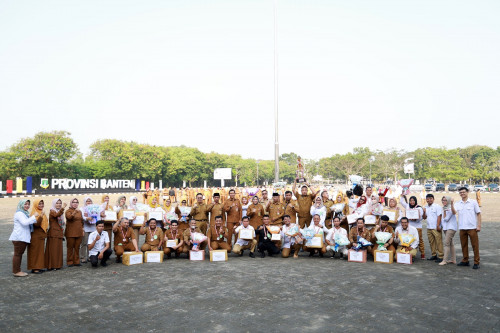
(276, 195)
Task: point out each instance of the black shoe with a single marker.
(118, 260)
(321, 255)
(439, 260)
(251, 255)
(70, 265)
(37, 272)
(432, 258)
(94, 265)
(262, 255)
(341, 255)
(78, 265)
(270, 254)
(462, 263)
(476, 266)
(103, 264)
(241, 253)
(311, 254)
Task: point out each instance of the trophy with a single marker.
(300, 171)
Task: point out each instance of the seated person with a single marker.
(265, 242)
(172, 234)
(98, 244)
(318, 231)
(406, 228)
(188, 242)
(154, 236)
(216, 236)
(243, 244)
(289, 242)
(330, 238)
(360, 230)
(383, 227)
(124, 238)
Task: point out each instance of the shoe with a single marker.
(476, 266)
(251, 255)
(451, 262)
(422, 256)
(295, 256)
(462, 263)
(333, 257)
(78, 265)
(70, 265)
(311, 254)
(103, 264)
(321, 254)
(57, 269)
(20, 274)
(262, 255)
(83, 261)
(118, 260)
(241, 253)
(439, 260)
(432, 258)
(270, 254)
(36, 271)
(442, 263)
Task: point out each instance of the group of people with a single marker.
(283, 223)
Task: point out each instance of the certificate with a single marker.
(275, 237)
(128, 214)
(218, 255)
(153, 256)
(197, 255)
(316, 242)
(384, 257)
(158, 216)
(139, 220)
(351, 218)
(370, 219)
(404, 258)
(110, 215)
(172, 242)
(246, 234)
(357, 256)
(391, 214)
(412, 214)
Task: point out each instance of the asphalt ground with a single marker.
(252, 295)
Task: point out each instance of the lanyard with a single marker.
(124, 235)
(152, 233)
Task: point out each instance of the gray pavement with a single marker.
(249, 295)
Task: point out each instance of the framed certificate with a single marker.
(110, 215)
(275, 237)
(218, 255)
(139, 220)
(246, 234)
(391, 214)
(196, 255)
(370, 219)
(158, 216)
(316, 242)
(128, 213)
(412, 214)
(172, 242)
(351, 218)
(153, 256)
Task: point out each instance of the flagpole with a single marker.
(276, 143)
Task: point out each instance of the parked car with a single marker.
(479, 187)
(493, 187)
(440, 187)
(429, 187)
(452, 187)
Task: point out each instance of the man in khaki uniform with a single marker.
(276, 210)
(291, 207)
(233, 209)
(124, 238)
(199, 212)
(216, 208)
(217, 233)
(154, 236)
(305, 202)
(188, 243)
(264, 201)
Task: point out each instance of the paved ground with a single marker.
(245, 295)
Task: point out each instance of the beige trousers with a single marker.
(436, 242)
(449, 248)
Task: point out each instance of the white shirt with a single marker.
(414, 223)
(244, 209)
(321, 212)
(433, 212)
(243, 242)
(100, 244)
(467, 214)
(449, 221)
(411, 230)
(87, 227)
(288, 241)
(333, 231)
(21, 232)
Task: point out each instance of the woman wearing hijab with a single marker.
(255, 212)
(90, 214)
(154, 206)
(74, 233)
(393, 205)
(36, 249)
(318, 209)
(449, 224)
(121, 205)
(416, 223)
(21, 235)
(340, 209)
(55, 236)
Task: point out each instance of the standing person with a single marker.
(255, 212)
(393, 205)
(233, 209)
(416, 223)
(21, 235)
(469, 224)
(89, 221)
(124, 238)
(74, 233)
(276, 210)
(217, 233)
(108, 225)
(244, 205)
(341, 209)
(216, 208)
(99, 246)
(183, 210)
(55, 236)
(450, 228)
(318, 209)
(243, 244)
(433, 214)
(121, 205)
(328, 204)
(264, 201)
(305, 202)
(291, 207)
(199, 212)
(265, 242)
(36, 249)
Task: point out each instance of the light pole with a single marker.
(276, 143)
(371, 159)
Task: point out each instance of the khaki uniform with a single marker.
(233, 209)
(276, 212)
(264, 203)
(153, 240)
(121, 245)
(187, 236)
(255, 217)
(200, 213)
(353, 237)
(216, 209)
(305, 202)
(217, 243)
(291, 209)
(169, 235)
(374, 240)
(74, 235)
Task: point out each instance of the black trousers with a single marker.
(270, 247)
(94, 260)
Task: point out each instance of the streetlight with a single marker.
(371, 160)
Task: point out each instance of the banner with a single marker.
(409, 168)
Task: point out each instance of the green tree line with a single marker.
(56, 155)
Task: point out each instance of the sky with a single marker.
(378, 74)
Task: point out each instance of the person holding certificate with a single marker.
(232, 207)
(90, 216)
(124, 238)
(330, 238)
(449, 223)
(183, 210)
(393, 208)
(290, 242)
(318, 232)
(406, 228)
(154, 236)
(265, 242)
(189, 240)
(174, 242)
(318, 209)
(108, 225)
(244, 205)
(217, 235)
(246, 238)
(414, 213)
(360, 230)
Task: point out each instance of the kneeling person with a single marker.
(124, 238)
(383, 227)
(98, 244)
(289, 242)
(265, 242)
(243, 244)
(172, 234)
(330, 238)
(406, 228)
(216, 236)
(154, 236)
(188, 240)
(318, 231)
